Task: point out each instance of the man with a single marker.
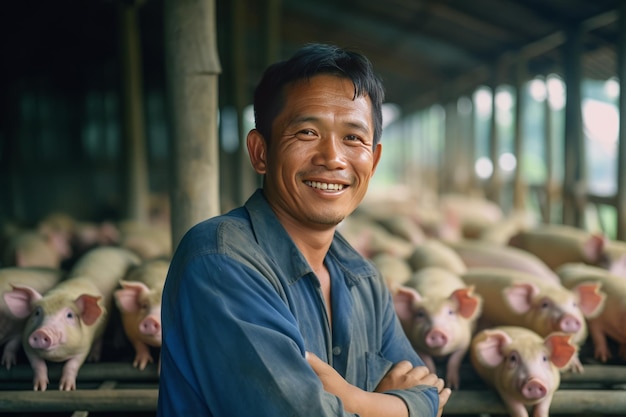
(267, 311)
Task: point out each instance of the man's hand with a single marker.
(403, 375)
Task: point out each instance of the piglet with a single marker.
(11, 327)
(521, 366)
(611, 322)
(560, 244)
(438, 311)
(517, 298)
(67, 323)
(139, 301)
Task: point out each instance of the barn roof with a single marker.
(425, 50)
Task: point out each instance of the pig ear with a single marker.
(519, 296)
(469, 304)
(403, 301)
(593, 247)
(489, 350)
(561, 350)
(127, 297)
(590, 298)
(20, 300)
(89, 308)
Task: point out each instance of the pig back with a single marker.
(103, 267)
(476, 253)
(493, 283)
(435, 253)
(435, 282)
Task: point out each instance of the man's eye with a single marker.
(306, 134)
(352, 137)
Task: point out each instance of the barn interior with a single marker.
(88, 125)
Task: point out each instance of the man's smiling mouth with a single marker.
(324, 186)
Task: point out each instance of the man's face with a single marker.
(320, 157)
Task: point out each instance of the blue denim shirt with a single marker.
(241, 305)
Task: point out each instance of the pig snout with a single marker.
(534, 389)
(569, 324)
(436, 338)
(43, 339)
(150, 326)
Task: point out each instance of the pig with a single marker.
(476, 253)
(521, 366)
(611, 322)
(11, 327)
(395, 270)
(438, 312)
(149, 241)
(29, 248)
(473, 213)
(67, 323)
(560, 244)
(517, 298)
(139, 301)
(434, 252)
(370, 239)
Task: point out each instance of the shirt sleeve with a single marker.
(232, 347)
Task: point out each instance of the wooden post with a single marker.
(573, 143)
(192, 68)
(551, 184)
(494, 142)
(621, 146)
(137, 189)
(245, 178)
(519, 195)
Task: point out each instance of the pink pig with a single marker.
(438, 311)
(139, 301)
(517, 298)
(67, 323)
(611, 322)
(560, 244)
(521, 366)
(478, 253)
(11, 327)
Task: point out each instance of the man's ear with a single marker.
(257, 150)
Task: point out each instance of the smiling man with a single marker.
(267, 310)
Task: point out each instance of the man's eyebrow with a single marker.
(354, 124)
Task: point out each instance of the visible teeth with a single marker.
(325, 186)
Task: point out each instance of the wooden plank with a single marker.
(121, 371)
(577, 402)
(88, 400)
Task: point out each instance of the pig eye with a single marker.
(451, 312)
(144, 306)
(38, 312)
(513, 359)
(420, 314)
(69, 315)
(545, 304)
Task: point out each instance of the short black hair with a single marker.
(310, 60)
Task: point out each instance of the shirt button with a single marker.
(337, 350)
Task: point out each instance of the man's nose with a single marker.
(330, 153)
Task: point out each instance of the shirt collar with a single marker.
(273, 237)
